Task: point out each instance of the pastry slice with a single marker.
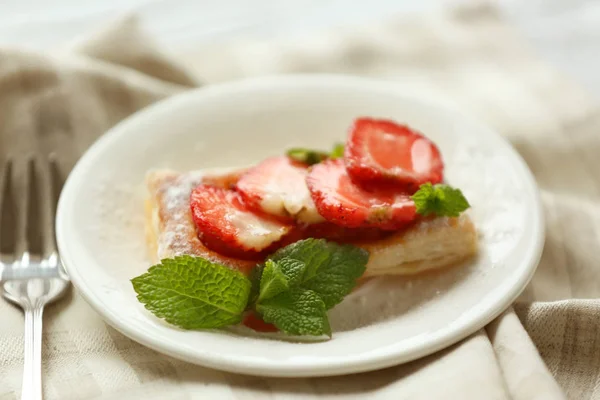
(428, 244)
(382, 192)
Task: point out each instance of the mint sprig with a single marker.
(311, 157)
(300, 282)
(440, 200)
(307, 156)
(293, 289)
(193, 293)
(327, 268)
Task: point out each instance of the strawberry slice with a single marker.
(226, 225)
(341, 201)
(380, 151)
(277, 186)
(255, 322)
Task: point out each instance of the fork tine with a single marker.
(53, 185)
(34, 215)
(20, 190)
(7, 211)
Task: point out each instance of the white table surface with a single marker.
(565, 32)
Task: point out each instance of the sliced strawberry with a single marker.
(380, 151)
(226, 225)
(255, 322)
(344, 203)
(277, 186)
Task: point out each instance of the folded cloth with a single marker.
(469, 56)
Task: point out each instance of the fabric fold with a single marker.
(524, 372)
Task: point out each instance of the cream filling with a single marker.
(296, 203)
(254, 232)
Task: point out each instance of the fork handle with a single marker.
(32, 366)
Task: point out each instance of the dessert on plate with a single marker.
(277, 244)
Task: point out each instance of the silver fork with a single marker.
(32, 276)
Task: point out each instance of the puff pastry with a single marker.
(429, 244)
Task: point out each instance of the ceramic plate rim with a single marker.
(352, 364)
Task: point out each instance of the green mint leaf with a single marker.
(311, 157)
(272, 282)
(296, 312)
(440, 200)
(328, 269)
(307, 156)
(193, 293)
(338, 151)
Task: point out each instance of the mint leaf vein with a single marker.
(296, 312)
(193, 293)
(273, 281)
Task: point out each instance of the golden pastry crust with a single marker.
(427, 245)
(169, 225)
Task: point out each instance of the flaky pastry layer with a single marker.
(429, 244)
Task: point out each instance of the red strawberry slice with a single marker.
(226, 225)
(255, 322)
(277, 186)
(380, 151)
(341, 201)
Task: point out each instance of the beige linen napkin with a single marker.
(61, 102)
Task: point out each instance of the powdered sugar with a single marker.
(176, 235)
(179, 192)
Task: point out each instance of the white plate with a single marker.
(100, 224)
